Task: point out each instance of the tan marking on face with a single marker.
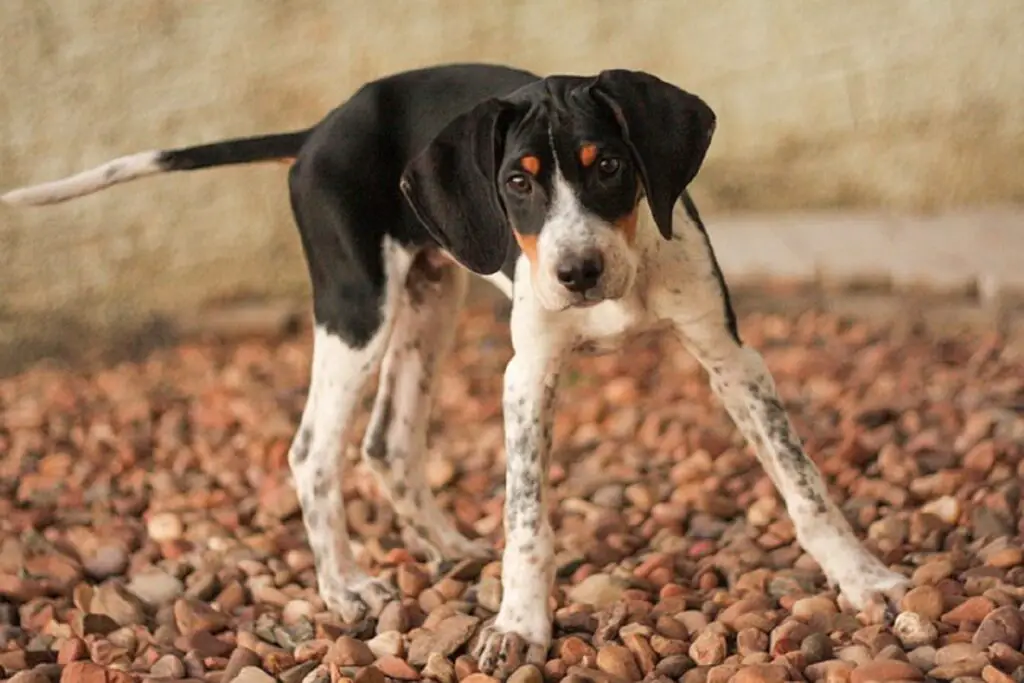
(528, 243)
(588, 155)
(530, 164)
(627, 226)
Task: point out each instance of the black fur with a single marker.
(668, 129)
(236, 151)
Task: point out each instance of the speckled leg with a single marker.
(740, 378)
(395, 443)
(521, 633)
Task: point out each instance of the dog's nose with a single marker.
(580, 273)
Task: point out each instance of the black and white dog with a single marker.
(569, 194)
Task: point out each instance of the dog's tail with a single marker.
(283, 146)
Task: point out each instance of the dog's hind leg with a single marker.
(356, 286)
(395, 443)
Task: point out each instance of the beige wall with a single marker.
(909, 104)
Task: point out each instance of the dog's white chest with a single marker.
(608, 325)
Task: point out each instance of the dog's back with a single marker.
(393, 116)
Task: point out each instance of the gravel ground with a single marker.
(149, 531)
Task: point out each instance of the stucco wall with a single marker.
(909, 105)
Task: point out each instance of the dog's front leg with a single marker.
(741, 380)
(521, 633)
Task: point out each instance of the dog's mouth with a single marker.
(589, 299)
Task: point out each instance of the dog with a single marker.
(568, 193)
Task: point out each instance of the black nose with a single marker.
(580, 273)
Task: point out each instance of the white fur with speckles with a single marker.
(570, 231)
(395, 444)
(116, 171)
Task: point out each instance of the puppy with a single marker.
(569, 194)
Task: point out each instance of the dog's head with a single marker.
(561, 165)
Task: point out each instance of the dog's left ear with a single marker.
(667, 129)
(451, 187)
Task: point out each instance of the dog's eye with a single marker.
(519, 183)
(609, 166)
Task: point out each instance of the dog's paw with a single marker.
(876, 593)
(499, 650)
(359, 597)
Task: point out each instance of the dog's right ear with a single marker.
(451, 186)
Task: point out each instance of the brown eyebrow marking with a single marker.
(588, 155)
(531, 164)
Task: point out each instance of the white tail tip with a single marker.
(113, 172)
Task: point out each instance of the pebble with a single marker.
(448, 637)
(967, 666)
(439, 668)
(618, 661)
(598, 590)
(191, 615)
(165, 526)
(387, 643)
(914, 630)
(116, 602)
(761, 673)
(168, 666)
(88, 672)
(156, 587)
(807, 608)
(885, 671)
(971, 610)
(109, 559)
(926, 601)
(32, 676)
(396, 668)
(240, 658)
(1002, 625)
(347, 651)
(526, 674)
(708, 649)
(946, 508)
(251, 674)
(991, 674)
(394, 617)
(488, 594)
(1006, 558)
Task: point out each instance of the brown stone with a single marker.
(990, 674)
(574, 651)
(708, 649)
(642, 651)
(88, 672)
(451, 634)
(347, 651)
(193, 615)
(241, 658)
(618, 661)
(1002, 625)
(761, 673)
(396, 668)
(751, 640)
(883, 671)
(970, 610)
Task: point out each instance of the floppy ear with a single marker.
(451, 187)
(667, 129)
